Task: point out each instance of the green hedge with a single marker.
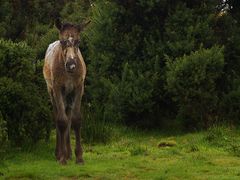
(192, 81)
(22, 104)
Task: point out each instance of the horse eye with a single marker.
(63, 43)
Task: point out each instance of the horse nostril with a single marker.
(70, 65)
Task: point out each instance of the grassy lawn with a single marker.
(135, 155)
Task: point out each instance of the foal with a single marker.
(64, 72)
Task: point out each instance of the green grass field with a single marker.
(213, 154)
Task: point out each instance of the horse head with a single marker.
(69, 35)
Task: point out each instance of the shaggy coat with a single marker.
(64, 72)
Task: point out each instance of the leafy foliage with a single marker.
(3, 133)
(24, 109)
(95, 131)
(149, 63)
(230, 105)
(192, 80)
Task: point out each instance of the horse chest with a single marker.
(69, 86)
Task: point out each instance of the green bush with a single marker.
(44, 41)
(230, 104)
(131, 100)
(219, 136)
(76, 11)
(124, 48)
(186, 30)
(124, 66)
(127, 42)
(22, 104)
(223, 136)
(192, 81)
(95, 131)
(3, 133)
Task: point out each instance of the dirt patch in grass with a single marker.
(169, 143)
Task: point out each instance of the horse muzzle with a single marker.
(70, 66)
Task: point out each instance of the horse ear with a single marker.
(58, 24)
(82, 26)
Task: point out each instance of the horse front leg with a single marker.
(61, 125)
(68, 141)
(69, 103)
(76, 124)
(58, 143)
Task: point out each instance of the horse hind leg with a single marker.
(57, 148)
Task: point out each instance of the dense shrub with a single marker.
(23, 106)
(3, 133)
(124, 65)
(230, 104)
(125, 48)
(219, 135)
(95, 130)
(43, 42)
(224, 137)
(192, 81)
(75, 11)
(186, 31)
(131, 100)
(127, 43)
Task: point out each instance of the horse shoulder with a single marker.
(47, 64)
(52, 67)
(51, 54)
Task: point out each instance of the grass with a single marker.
(135, 155)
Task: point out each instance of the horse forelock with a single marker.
(67, 26)
(69, 30)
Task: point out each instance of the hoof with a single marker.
(80, 161)
(63, 161)
(58, 158)
(69, 157)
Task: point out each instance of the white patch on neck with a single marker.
(70, 39)
(51, 48)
